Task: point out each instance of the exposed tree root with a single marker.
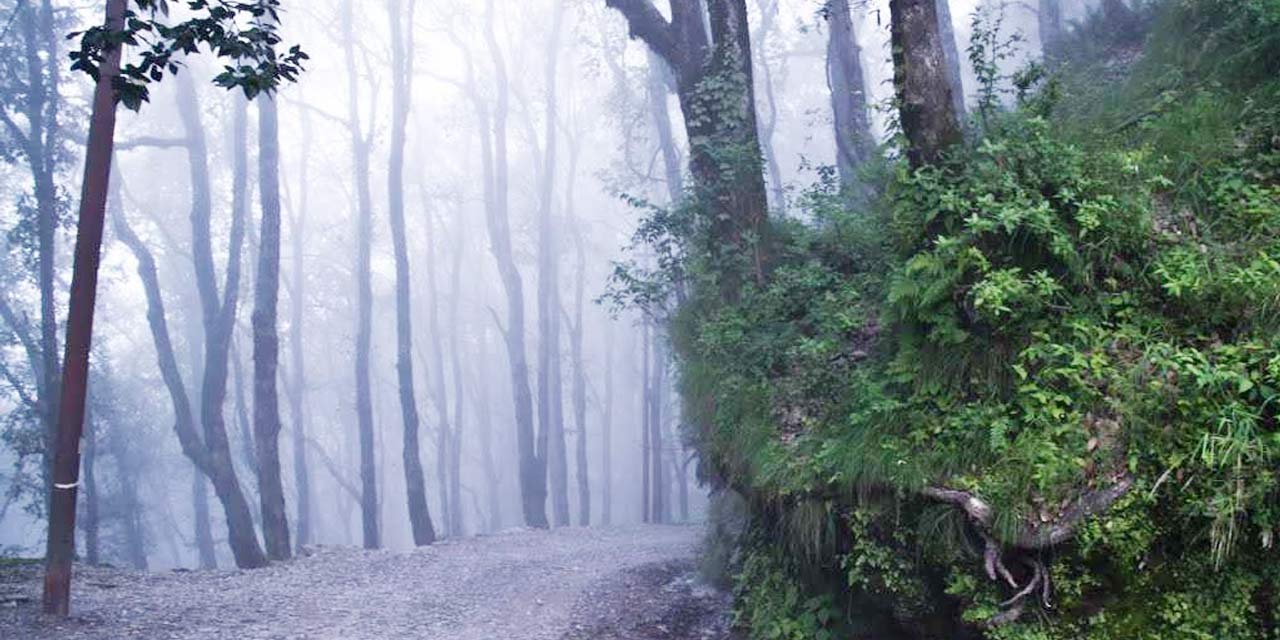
(1027, 544)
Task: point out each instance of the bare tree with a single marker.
(360, 145)
(951, 55)
(550, 384)
(266, 338)
(494, 157)
(302, 479)
(401, 79)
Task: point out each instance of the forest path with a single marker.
(623, 583)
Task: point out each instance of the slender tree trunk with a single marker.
(266, 338)
(446, 445)
(208, 558)
(768, 20)
(659, 88)
(364, 302)
(576, 330)
(41, 110)
(61, 544)
(455, 353)
(550, 380)
(646, 436)
(533, 466)
(402, 74)
(854, 142)
(658, 474)
(606, 435)
(302, 477)
(927, 111)
(951, 54)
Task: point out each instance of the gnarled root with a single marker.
(1028, 543)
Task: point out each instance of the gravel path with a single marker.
(519, 585)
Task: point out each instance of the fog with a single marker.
(596, 374)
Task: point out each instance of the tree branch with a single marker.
(647, 24)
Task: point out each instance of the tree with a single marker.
(550, 383)
(606, 435)
(448, 440)
(40, 105)
(360, 144)
(768, 25)
(100, 57)
(854, 142)
(266, 338)
(576, 330)
(717, 96)
(494, 160)
(302, 477)
(1049, 16)
(401, 78)
(926, 108)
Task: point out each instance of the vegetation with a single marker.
(1029, 392)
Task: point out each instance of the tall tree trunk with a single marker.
(854, 142)
(659, 88)
(1049, 14)
(219, 314)
(646, 436)
(207, 557)
(302, 477)
(927, 111)
(657, 472)
(533, 466)
(720, 122)
(402, 74)
(550, 381)
(951, 54)
(41, 141)
(446, 445)
(768, 20)
(455, 353)
(266, 338)
(576, 329)
(364, 303)
(606, 435)
(61, 543)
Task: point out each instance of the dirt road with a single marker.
(621, 584)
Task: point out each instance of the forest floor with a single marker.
(635, 583)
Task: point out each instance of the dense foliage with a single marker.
(1083, 299)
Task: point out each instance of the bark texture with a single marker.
(714, 81)
(266, 338)
(61, 545)
(927, 110)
